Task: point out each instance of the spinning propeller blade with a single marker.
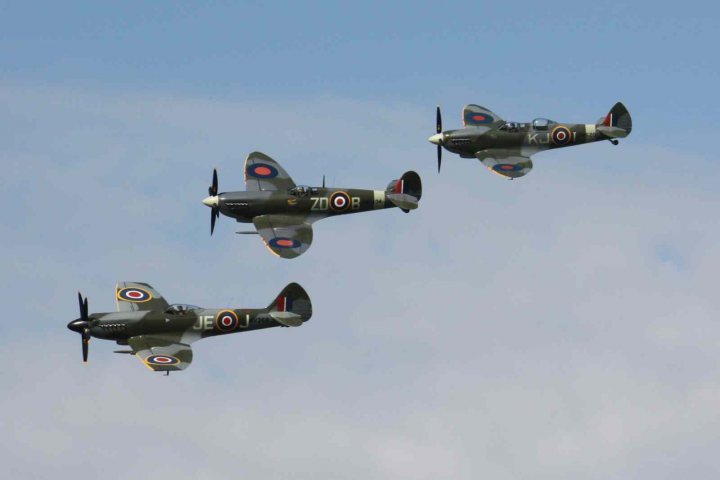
(85, 344)
(438, 120)
(215, 210)
(83, 314)
(215, 182)
(438, 129)
(82, 325)
(213, 216)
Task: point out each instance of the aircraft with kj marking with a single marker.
(160, 334)
(505, 147)
(283, 213)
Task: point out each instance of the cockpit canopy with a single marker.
(510, 127)
(303, 191)
(542, 123)
(180, 309)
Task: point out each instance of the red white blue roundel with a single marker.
(339, 201)
(261, 170)
(508, 167)
(284, 242)
(561, 135)
(162, 360)
(226, 321)
(477, 118)
(134, 294)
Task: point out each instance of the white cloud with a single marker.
(558, 326)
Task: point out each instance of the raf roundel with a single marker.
(339, 201)
(226, 321)
(508, 167)
(162, 360)
(134, 294)
(284, 242)
(561, 135)
(476, 118)
(262, 170)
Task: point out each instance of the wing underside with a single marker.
(509, 164)
(161, 354)
(286, 236)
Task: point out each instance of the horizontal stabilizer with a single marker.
(612, 132)
(289, 319)
(403, 200)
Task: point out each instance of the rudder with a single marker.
(617, 123)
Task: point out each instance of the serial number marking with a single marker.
(323, 203)
(207, 322)
(538, 139)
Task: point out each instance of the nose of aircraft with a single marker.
(436, 139)
(77, 325)
(211, 201)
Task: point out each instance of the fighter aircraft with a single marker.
(505, 147)
(283, 213)
(160, 334)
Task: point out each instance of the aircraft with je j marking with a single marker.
(160, 334)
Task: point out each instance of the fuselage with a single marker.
(524, 137)
(191, 324)
(314, 202)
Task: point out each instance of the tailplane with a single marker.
(617, 123)
(292, 307)
(405, 192)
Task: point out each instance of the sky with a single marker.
(560, 326)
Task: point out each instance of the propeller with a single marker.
(212, 201)
(82, 325)
(438, 131)
(213, 189)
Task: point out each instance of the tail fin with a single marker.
(617, 123)
(405, 192)
(292, 307)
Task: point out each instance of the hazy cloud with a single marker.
(559, 326)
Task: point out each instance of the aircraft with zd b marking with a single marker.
(283, 213)
(160, 334)
(505, 147)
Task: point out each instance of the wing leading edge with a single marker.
(477, 116)
(262, 173)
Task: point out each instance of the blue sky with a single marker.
(558, 326)
(549, 57)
